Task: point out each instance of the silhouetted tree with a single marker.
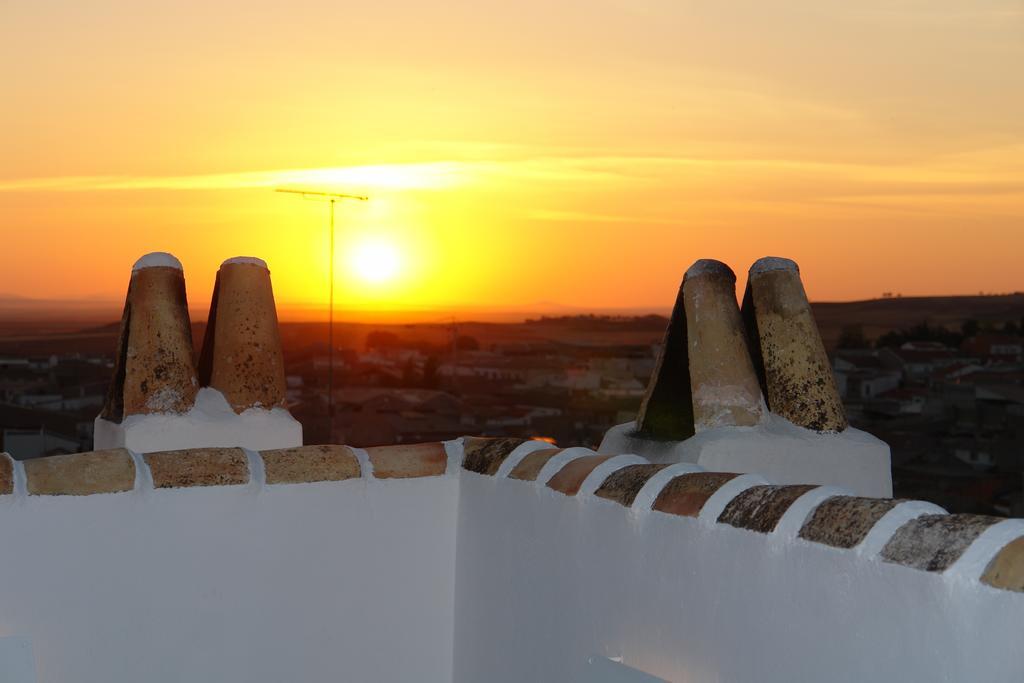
(467, 343)
(381, 339)
(852, 337)
(430, 378)
(922, 332)
(409, 375)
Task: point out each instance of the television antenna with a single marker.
(331, 198)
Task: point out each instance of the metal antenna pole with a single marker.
(330, 339)
(455, 356)
(332, 198)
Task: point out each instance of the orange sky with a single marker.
(582, 152)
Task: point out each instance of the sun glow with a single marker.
(375, 261)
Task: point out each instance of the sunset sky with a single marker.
(580, 152)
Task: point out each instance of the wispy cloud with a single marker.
(945, 177)
(587, 217)
(431, 175)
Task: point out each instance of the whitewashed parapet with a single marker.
(927, 542)
(922, 540)
(114, 470)
(653, 557)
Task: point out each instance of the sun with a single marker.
(375, 260)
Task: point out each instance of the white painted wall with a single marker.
(545, 582)
(472, 579)
(340, 581)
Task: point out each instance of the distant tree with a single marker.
(410, 377)
(430, 376)
(890, 339)
(922, 332)
(467, 343)
(425, 347)
(970, 328)
(852, 337)
(381, 339)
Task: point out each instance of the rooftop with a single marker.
(488, 559)
(738, 530)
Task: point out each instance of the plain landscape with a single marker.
(59, 327)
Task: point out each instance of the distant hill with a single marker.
(67, 334)
(878, 316)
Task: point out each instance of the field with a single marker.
(56, 330)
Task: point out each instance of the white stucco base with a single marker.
(777, 449)
(210, 423)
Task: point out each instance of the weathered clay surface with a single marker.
(760, 508)
(81, 474)
(241, 354)
(1006, 570)
(726, 391)
(198, 467)
(666, 413)
(844, 521)
(309, 463)
(154, 371)
(484, 456)
(934, 542)
(6, 474)
(412, 460)
(686, 494)
(623, 485)
(530, 466)
(798, 379)
(569, 479)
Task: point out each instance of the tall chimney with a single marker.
(795, 372)
(154, 371)
(241, 354)
(666, 413)
(725, 387)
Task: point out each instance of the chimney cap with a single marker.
(248, 260)
(157, 259)
(707, 266)
(770, 263)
